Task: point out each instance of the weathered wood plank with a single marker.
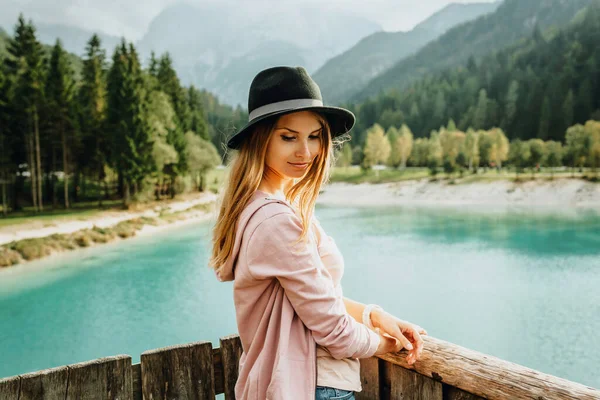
(218, 370)
(408, 385)
(369, 378)
(9, 388)
(174, 373)
(46, 384)
(203, 379)
(487, 376)
(136, 381)
(452, 393)
(103, 378)
(231, 351)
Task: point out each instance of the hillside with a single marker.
(535, 88)
(344, 75)
(512, 21)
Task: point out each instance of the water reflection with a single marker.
(535, 233)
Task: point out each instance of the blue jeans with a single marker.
(327, 393)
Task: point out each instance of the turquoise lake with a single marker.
(519, 286)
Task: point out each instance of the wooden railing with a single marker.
(197, 371)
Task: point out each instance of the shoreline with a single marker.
(146, 230)
(558, 195)
(567, 197)
(104, 219)
(101, 229)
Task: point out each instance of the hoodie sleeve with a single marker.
(272, 253)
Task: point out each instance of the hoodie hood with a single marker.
(226, 271)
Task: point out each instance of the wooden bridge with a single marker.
(197, 371)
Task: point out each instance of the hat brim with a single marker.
(340, 121)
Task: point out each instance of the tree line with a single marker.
(112, 122)
(454, 150)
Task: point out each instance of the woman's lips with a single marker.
(299, 165)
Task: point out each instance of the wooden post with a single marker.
(46, 384)
(369, 378)
(9, 388)
(178, 372)
(408, 385)
(231, 351)
(452, 393)
(104, 378)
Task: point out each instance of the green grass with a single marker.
(79, 210)
(355, 175)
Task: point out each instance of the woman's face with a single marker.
(294, 144)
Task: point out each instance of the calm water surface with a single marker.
(521, 287)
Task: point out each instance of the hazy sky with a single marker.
(131, 17)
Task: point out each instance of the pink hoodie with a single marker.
(285, 303)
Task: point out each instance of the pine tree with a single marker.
(511, 104)
(481, 110)
(197, 119)
(60, 89)
(140, 162)
(25, 65)
(15, 117)
(5, 144)
(153, 68)
(440, 107)
(131, 136)
(169, 83)
(92, 112)
(115, 112)
(567, 109)
(545, 119)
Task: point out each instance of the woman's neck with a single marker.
(275, 187)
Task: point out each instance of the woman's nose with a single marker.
(303, 150)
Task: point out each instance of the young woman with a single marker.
(301, 338)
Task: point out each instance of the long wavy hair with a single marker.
(246, 171)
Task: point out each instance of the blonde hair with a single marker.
(246, 172)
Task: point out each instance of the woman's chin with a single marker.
(295, 173)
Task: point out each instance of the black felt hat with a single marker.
(281, 90)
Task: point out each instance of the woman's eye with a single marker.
(291, 138)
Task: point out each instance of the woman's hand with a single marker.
(407, 334)
(388, 344)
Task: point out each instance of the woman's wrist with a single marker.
(370, 317)
(376, 315)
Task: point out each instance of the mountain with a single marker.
(344, 75)
(536, 87)
(513, 20)
(220, 47)
(73, 39)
